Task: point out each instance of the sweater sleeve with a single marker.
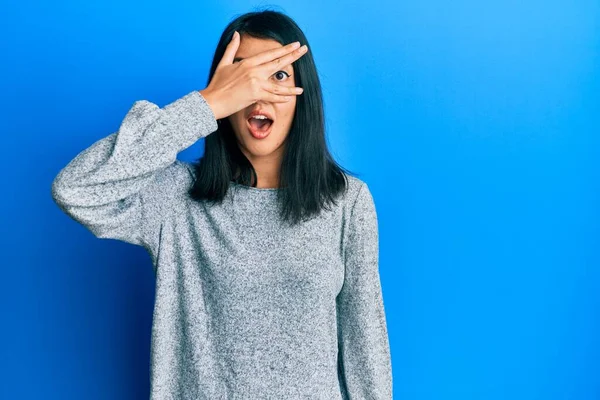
(364, 359)
(111, 187)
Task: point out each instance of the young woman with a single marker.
(265, 251)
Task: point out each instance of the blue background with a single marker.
(475, 124)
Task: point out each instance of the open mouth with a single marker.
(259, 128)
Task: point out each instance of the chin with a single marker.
(261, 147)
(264, 148)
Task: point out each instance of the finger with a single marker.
(276, 88)
(268, 55)
(230, 50)
(273, 66)
(274, 98)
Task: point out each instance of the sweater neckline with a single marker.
(255, 189)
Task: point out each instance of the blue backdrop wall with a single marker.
(474, 123)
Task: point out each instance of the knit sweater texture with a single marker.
(246, 307)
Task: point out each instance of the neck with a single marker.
(267, 168)
(268, 177)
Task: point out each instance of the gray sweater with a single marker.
(246, 307)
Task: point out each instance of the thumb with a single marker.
(230, 50)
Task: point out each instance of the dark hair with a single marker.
(309, 178)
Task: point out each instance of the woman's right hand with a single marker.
(235, 86)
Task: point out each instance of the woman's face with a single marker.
(270, 148)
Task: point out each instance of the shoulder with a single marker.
(169, 185)
(360, 217)
(353, 181)
(359, 206)
(358, 192)
(175, 178)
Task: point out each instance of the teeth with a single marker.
(259, 117)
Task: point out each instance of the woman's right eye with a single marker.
(279, 73)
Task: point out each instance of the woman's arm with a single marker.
(112, 186)
(364, 354)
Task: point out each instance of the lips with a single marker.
(260, 112)
(259, 128)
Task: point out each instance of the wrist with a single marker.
(208, 97)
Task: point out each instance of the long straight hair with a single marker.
(310, 179)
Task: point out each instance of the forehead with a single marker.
(250, 46)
